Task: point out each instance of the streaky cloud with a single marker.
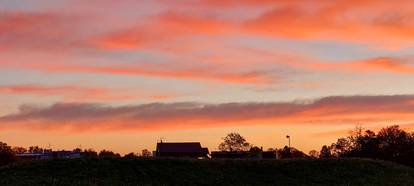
(336, 110)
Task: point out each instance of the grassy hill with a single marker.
(207, 172)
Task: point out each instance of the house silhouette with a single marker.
(181, 149)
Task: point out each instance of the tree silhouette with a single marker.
(341, 146)
(108, 154)
(35, 149)
(255, 152)
(325, 152)
(291, 152)
(19, 150)
(272, 149)
(89, 153)
(146, 153)
(6, 154)
(234, 142)
(314, 154)
(390, 143)
(130, 155)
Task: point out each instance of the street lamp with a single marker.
(288, 137)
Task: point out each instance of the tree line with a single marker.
(234, 142)
(8, 154)
(390, 143)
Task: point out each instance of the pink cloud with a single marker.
(370, 22)
(48, 31)
(81, 94)
(173, 116)
(397, 65)
(186, 73)
(171, 33)
(160, 29)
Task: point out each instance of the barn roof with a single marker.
(180, 147)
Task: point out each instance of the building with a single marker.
(230, 155)
(182, 149)
(269, 155)
(34, 156)
(63, 154)
(253, 153)
(49, 154)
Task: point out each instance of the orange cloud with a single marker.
(372, 22)
(68, 93)
(190, 73)
(161, 29)
(172, 30)
(44, 90)
(219, 4)
(335, 133)
(390, 64)
(398, 65)
(174, 116)
(363, 21)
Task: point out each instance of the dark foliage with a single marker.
(19, 150)
(108, 154)
(390, 143)
(325, 152)
(234, 142)
(6, 154)
(146, 153)
(35, 149)
(291, 152)
(314, 154)
(255, 152)
(89, 153)
(130, 155)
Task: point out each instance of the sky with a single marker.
(123, 74)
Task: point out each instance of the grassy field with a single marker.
(207, 172)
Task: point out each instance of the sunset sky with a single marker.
(121, 74)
